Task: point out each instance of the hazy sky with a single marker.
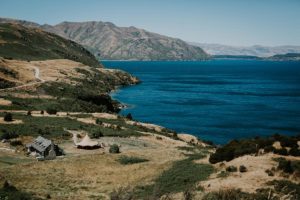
(234, 22)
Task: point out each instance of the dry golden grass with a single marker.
(253, 179)
(85, 174)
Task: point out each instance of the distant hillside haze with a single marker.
(110, 42)
(256, 50)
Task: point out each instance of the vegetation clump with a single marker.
(231, 169)
(8, 117)
(96, 133)
(10, 192)
(51, 111)
(243, 169)
(127, 160)
(8, 135)
(114, 149)
(179, 178)
(129, 116)
(237, 148)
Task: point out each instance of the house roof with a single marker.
(40, 144)
(87, 142)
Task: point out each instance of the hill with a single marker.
(285, 57)
(256, 50)
(110, 42)
(23, 43)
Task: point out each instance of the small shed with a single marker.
(44, 149)
(87, 143)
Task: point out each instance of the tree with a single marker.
(51, 111)
(129, 116)
(8, 117)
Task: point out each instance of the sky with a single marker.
(231, 22)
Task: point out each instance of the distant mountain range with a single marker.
(110, 42)
(256, 50)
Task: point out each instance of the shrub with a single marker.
(8, 117)
(28, 113)
(7, 135)
(269, 172)
(285, 166)
(126, 160)
(96, 133)
(114, 149)
(232, 194)
(231, 169)
(282, 151)
(129, 116)
(294, 151)
(268, 149)
(175, 136)
(122, 194)
(51, 111)
(42, 112)
(16, 143)
(158, 138)
(98, 121)
(243, 169)
(9, 191)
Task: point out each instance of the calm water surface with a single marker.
(217, 100)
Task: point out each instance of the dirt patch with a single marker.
(105, 115)
(4, 102)
(16, 121)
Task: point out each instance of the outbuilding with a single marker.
(44, 149)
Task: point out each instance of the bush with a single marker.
(282, 151)
(243, 169)
(98, 121)
(9, 191)
(231, 169)
(294, 151)
(285, 166)
(114, 149)
(29, 113)
(51, 111)
(129, 116)
(96, 133)
(126, 160)
(269, 172)
(16, 143)
(8, 117)
(8, 136)
(268, 149)
(42, 112)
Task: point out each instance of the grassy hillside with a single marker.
(22, 43)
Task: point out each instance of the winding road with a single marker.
(36, 75)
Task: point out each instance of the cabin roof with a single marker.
(40, 144)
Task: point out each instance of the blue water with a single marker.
(217, 100)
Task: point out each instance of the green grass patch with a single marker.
(183, 175)
(128, 160)
(56, 127)
(13, 160)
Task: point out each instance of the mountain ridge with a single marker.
(110, 42)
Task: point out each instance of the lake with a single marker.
(217, 100)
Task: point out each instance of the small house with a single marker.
(44, 149)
